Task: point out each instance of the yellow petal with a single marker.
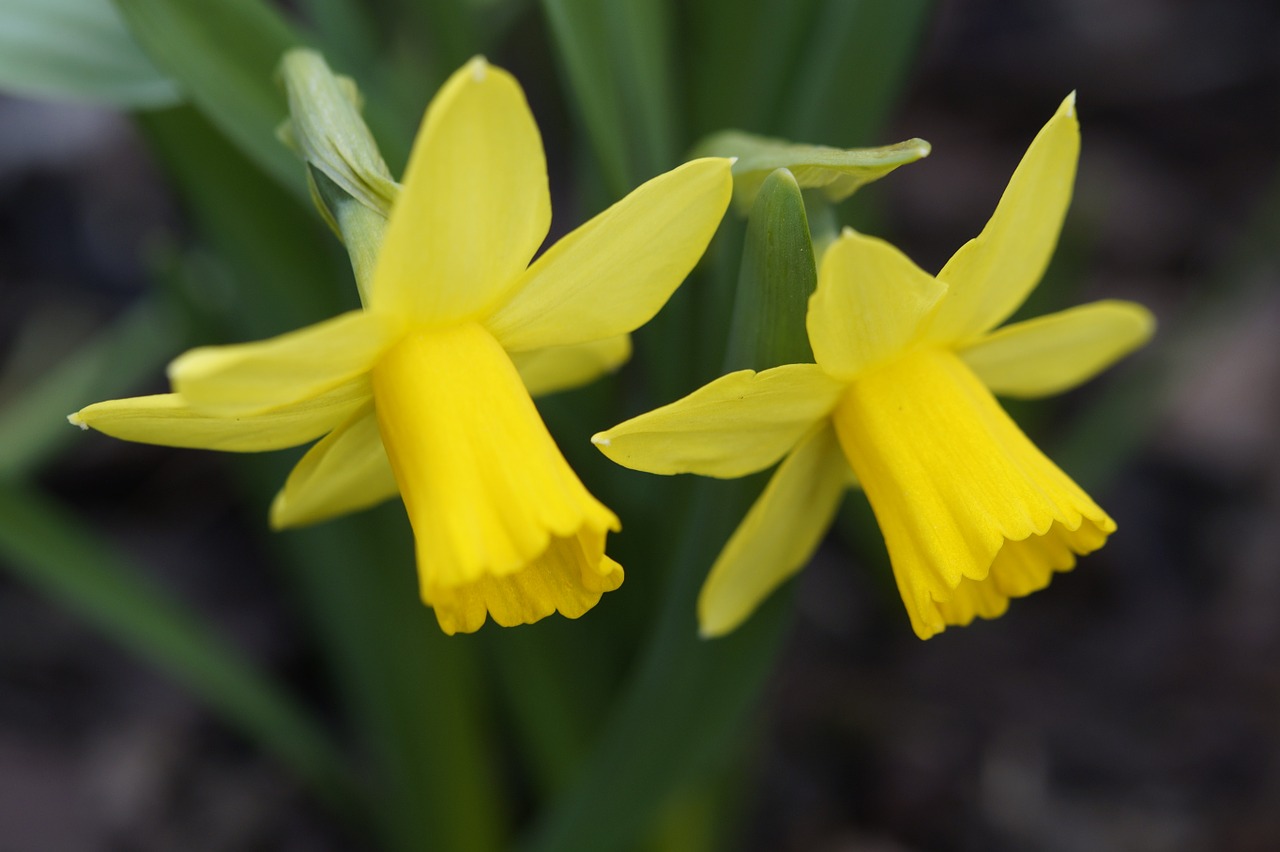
(474, 206)
(558, 368)
(486, 488)
(870, 304)
(249, 378)
(991, 275)
(779, 534)
(611, 275)
(346, 472)
(971, 511)
(738, 424)
(168, 420)
(569, 577)
(1054, 353)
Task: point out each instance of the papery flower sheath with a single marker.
(426, 391)
(901, 402)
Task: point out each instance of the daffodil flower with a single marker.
(901, 402)
(421, 393)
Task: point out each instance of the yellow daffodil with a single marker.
(901, 401)
(426, 392)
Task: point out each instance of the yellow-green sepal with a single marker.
(836, 172)
(325, 129)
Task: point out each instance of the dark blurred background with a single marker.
(1135, 705)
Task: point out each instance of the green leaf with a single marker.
(725, 90)
(776, 278)
(77, 50)
(848, 77)
(110, 364)
(411, 691)
(679, 715)
(837, 172)
(285, 270)
(224, 55)
(617, 57)
(49, 550)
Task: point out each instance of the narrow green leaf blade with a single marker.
(110, 364)
(78, 50)
(678, 717)
(224, 55)
(412, 692)
(854, 62)
(617, 57)
(49, 550)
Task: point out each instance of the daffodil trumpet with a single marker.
(902, 402)
(426, 392)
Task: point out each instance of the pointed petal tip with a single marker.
(601, 440)
(479, 67)
(1145, 319)
(76, 420)
(276, 514)
(713, 625)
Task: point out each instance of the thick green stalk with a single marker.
(679, 714)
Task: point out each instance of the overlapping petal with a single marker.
(1054, 353)
(559, 368)
(251, 378)
(345, 472)
(169, 420)
(779, 534)
(991, 275)
(738, 424)
(474, 207)
(612, 274)
(870, 305)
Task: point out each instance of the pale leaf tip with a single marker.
(1069, 105)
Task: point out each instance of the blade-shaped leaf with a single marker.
(50, 551)
(690, 697)
(77, 50)
(838, 172)
(616, 57)
(110, 364)
(224, 55)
